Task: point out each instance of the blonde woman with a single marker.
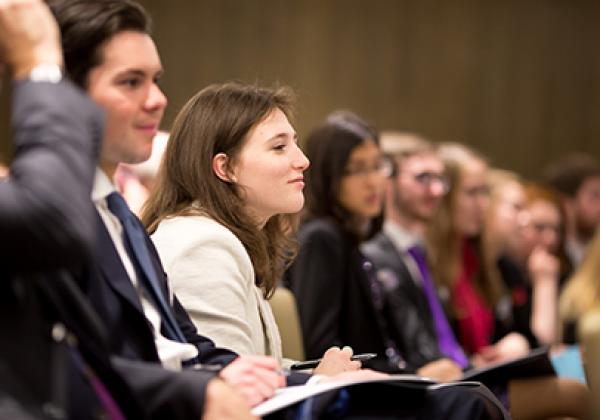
(475, 295)
(521, 242)
(582, 292)
(456, 251)
(580, 311)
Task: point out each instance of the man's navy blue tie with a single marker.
(135, 238)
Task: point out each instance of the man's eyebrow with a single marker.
(140, 72)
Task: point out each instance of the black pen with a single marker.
(311, 364)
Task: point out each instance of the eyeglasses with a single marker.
(478, 191)
(383, 167)
(542, 227)
(429, 179)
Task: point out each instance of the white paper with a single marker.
(292, 394)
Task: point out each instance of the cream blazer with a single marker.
(211, 273)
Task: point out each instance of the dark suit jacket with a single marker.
(336, 307)
(46, 227)
(113, 296)
(334, 300)
(409, 309)
(111, 292)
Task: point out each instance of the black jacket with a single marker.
(48, 227)
(335, 304)
(46, 223)
(109, 289)
(409, 309)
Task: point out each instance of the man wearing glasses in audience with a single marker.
(413, 194)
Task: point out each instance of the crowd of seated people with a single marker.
(220, 221)
(417, 252)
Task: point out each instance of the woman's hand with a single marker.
(443, 370)
(544, 270)
(361, 374)
(543, 266)
(486, 356)
(512, 345)
(335, 361)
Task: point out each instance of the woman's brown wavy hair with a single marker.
(444, 241)
(216, 120)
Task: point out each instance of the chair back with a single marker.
(285, 311)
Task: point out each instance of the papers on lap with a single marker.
(293, 394)
(535, 363)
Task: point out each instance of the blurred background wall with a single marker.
(517, 79)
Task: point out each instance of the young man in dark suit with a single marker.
(109, 52)
(413, 194)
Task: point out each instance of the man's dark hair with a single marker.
(568, 174)
(86, 25)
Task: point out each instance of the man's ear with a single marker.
(220, 167)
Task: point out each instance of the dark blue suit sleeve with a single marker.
(45, 206)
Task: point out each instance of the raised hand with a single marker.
(29, 36)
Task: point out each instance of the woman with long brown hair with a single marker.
(522, 238)
(232, 172)
(474, 296)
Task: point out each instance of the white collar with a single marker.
(400, 237)
(102, 186)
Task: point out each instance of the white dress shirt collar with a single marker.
(400, 237)
(102, 186)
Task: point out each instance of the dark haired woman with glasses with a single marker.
(339, 300)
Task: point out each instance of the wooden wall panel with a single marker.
(519, 80)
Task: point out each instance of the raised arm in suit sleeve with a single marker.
(45, 207)
(317, 280)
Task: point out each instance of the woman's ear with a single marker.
(220, 167)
